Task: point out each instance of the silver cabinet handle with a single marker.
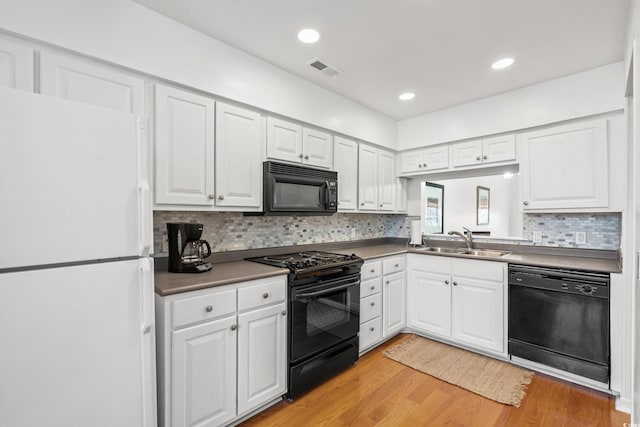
(477, 157)
(373, 287)
(424, 164)
(525, 203)
(372, 329)
(397, 265)
(446, 282)
(373, 270)
(372, 304)
(362, 204)
(234, 327)
(455, 283)
(221, 197)
(265, 295)
(306, 157)
(212, 196)
(485, 157)
(301, 155)
(419, 165)
(387, 282)
(381, 205)
(209, 309)
(284, 312)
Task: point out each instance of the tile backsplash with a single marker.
(230, 231)
(603, 230)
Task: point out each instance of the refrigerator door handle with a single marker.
(145, 210)
(146, 282)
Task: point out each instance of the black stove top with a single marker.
(300, 262)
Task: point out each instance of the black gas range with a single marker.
(324, 315)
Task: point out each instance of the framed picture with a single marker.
(482, 205)
(434, 208)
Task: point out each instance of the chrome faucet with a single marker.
(468, 239)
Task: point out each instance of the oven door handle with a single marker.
(326, 291)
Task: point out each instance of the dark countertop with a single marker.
(228, 272)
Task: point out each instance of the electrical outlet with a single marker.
(581, 238)
(353, 233)
(537, 237)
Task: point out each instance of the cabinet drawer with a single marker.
(370, 333)
(370, 287)
(203, 307)
(371, 269)
(262, 292)
(393, 265)
(370, 307)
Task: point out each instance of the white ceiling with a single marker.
(440, 49)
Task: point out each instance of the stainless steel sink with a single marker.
(443, 250)
(485, 253)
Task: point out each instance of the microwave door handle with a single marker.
(325, 291)
(326, 194)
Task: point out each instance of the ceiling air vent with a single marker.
(325, 68)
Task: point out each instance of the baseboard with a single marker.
(623, 404)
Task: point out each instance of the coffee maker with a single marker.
(186, 250)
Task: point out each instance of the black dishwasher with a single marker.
(560, 318)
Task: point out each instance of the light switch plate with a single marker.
(537, 237)
(581, 238)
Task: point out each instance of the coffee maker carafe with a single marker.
(186, 250)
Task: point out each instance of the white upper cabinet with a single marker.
(292, 143)
(367, 177)
(284, 140)
(386, 181)
(494, 149)
(239, 153)
(428, 159)
(317, 148)
(86, 82)
(184, 130)
(376, 179)
(346, 164)
(16, 66)
(564, 167)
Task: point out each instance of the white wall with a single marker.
(128, 34)
(590, 92)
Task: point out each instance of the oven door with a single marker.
(323, 314)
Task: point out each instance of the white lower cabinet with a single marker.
(382, 300)
(458, 299)
(203, 374)
(221, 352)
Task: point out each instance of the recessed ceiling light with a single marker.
(407, 96)
(308, 35)
(502, 63)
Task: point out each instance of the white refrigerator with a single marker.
(76, 281)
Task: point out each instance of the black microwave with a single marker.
(299, 190)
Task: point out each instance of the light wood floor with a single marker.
(380, 391)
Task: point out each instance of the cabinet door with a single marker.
(239, 145)
(262, 359)
(184, 147)
(386, 181)
(90, 83)
(499, 148)
(565, 167)
(284, 140)
(435, 158)
(370, 333)
(367, 177)
(203, 374)
(346, 164)
(393, 304)
(478, 313)
(317, 148)
(466, 153)
(411, 162)
(16, 66)
(429, 302)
